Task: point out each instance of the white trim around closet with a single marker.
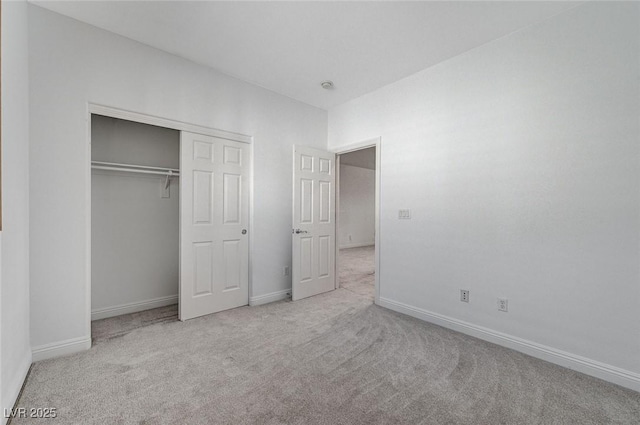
(80, 344)
(166, 123)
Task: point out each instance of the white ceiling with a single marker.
(290, 47)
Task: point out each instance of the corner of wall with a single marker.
(15, 348)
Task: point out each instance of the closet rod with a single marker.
(133, 170)
(126, 167)
(144, 167)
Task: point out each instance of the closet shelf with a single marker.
(132, 168)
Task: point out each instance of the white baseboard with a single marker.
(61, 348)
(581, 364)
(356, 245)
(118, 310)
(14, 388)
(269, 298)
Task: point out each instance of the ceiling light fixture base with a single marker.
(327, 85)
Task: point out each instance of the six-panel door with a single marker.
(313, 239)
(214, 219)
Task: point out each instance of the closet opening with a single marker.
(357, 222)
(135, 225)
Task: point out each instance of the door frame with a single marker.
(142, 118)
(369, 143)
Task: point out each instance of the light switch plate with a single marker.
(404, 214)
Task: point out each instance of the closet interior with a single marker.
(135, 228)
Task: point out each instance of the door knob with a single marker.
(298, 231)
(244, 231)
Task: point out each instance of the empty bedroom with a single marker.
(349, 212)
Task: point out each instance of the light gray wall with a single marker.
(134, 230)
(71, 64)
(520, 163)
(15, 349)
(357, 206)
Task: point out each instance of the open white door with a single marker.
(214, 219)
(314, 227)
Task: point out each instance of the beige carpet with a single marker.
(330, 359)
(356, 274)
(357, 270)
(115, 327)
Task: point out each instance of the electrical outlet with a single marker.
(285, 271)
(464, 295)
(503, 304)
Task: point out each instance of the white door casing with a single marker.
(314, 229)
(214, 224)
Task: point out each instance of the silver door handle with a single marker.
(298, 231)
(244, 231)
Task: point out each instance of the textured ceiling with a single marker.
(290, 47)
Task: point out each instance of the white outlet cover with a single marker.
(503, 304)
(464, 295)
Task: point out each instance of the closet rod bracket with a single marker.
(167, 181)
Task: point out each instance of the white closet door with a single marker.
(314, 226)
(214, 220)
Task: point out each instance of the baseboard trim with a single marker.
(61, 348)
(15, 387)
(581, 364)
(269, 298)
(356, 245)
(118, 310)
